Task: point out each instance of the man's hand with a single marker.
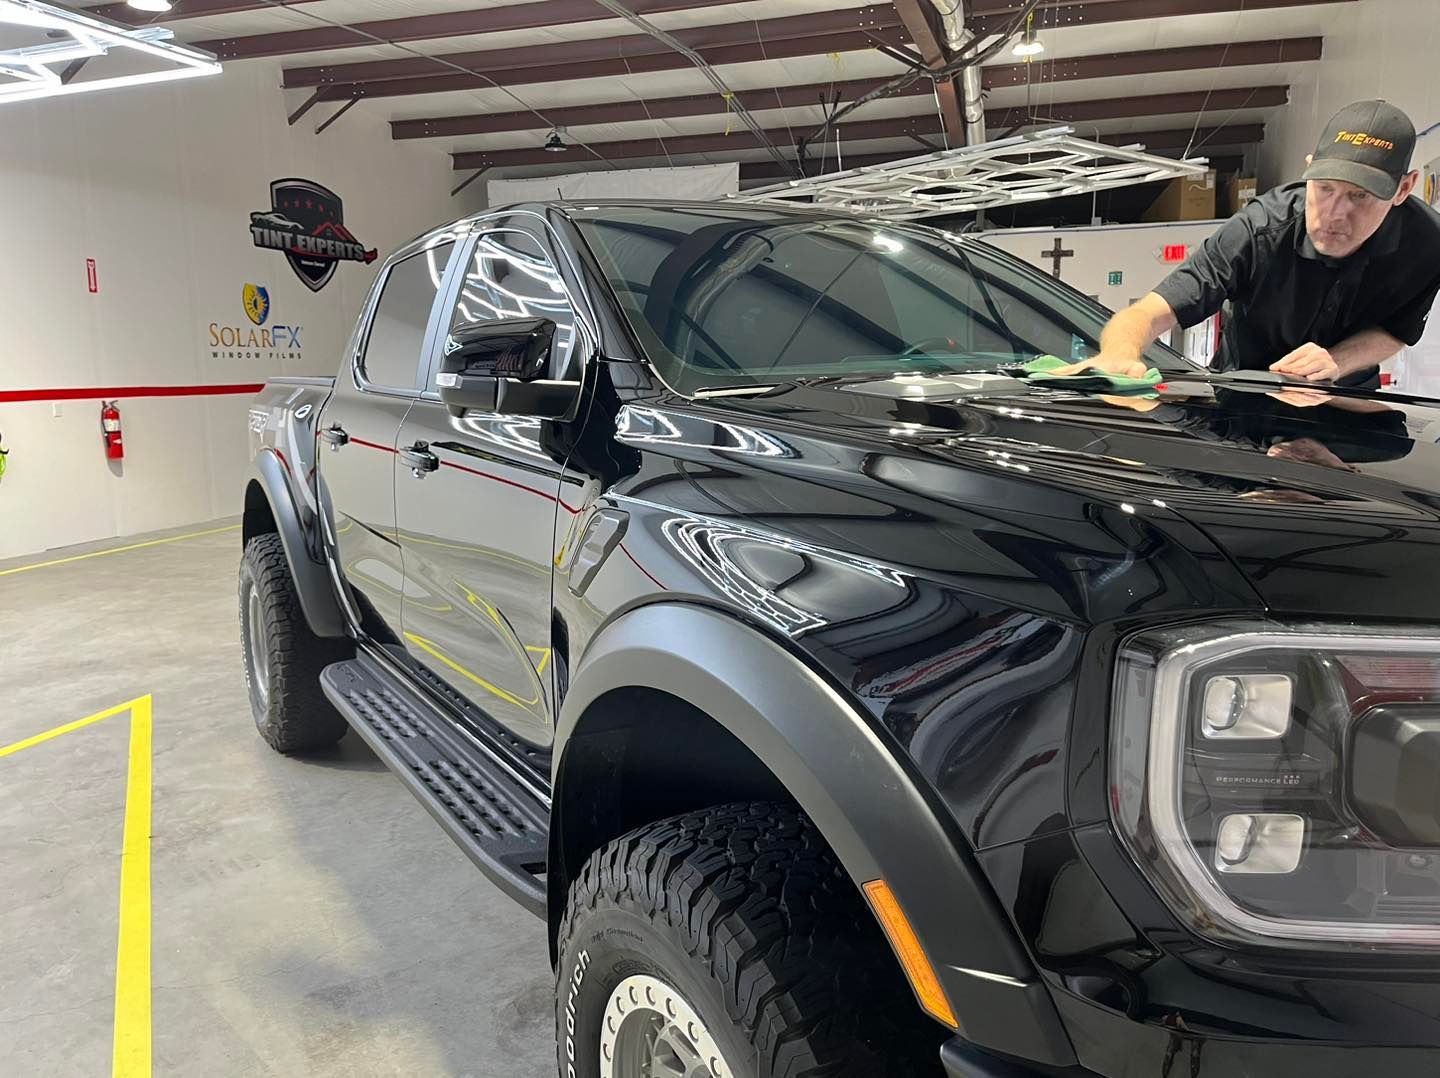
(1125, 366)
(1310, 362)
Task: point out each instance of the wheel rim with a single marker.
(650, 1031)
(259, 655)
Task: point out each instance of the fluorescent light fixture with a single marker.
(150, 5)
(34, 71)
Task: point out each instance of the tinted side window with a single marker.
(510, 276)
(397, 332)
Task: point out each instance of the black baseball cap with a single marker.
(1368, 144)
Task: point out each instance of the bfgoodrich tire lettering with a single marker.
(283, 658)
(745, 913)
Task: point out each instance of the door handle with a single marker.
(419, 459)
(335, 436)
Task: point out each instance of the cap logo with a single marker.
(1360, 138)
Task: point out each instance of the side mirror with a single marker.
(501, 366)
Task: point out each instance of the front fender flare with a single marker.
(856, 784)
(312, 582)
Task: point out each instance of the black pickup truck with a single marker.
(850, 700)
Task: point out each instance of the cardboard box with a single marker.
(1235, 193)
(1185, 198)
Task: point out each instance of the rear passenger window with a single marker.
(397, 332)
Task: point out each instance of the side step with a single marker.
(499, 825)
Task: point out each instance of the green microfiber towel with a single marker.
(1038, 370)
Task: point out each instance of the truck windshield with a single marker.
(736, 295)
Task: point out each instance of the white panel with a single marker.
(157, 184)
(700, 183)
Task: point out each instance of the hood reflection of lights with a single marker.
(633, 421)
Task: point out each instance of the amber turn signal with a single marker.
(907, 948)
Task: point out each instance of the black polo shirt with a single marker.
(1284, 293)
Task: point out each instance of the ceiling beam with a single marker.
(588, 50)
(923, 23)
(1154, 61)
(1201, 57)
(184, 9)
(787, 97)
(491, 20)
(735, 54)
(1194, 101)
(900, 127)
(991, 18)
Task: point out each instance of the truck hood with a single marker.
(1328, 502)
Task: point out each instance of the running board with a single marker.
(500, 826)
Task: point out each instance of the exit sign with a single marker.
(1174, 252)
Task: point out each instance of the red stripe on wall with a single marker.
(117, 392)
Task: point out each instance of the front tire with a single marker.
(283, 658)
(729, 943)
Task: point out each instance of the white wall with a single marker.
(1134, 250)
(1373, 48)
(157, 184)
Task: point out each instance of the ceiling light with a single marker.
(1029, 44)
(150, 5)
(36, 69)
(556, 144)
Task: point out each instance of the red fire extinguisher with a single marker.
(110, 429)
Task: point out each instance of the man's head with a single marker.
(1358, 173)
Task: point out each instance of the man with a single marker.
(1326, 278)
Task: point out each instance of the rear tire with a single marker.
(283, 658)
(730, 943)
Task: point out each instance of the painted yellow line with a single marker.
(131, 1051)
(131, 1058)
(118, 550)
(48, 734)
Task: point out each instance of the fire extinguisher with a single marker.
(110, 430)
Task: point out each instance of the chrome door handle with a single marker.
(419, 459)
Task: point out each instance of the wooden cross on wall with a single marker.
(1056, 255)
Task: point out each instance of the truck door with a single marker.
(477, 514)
(358, 428)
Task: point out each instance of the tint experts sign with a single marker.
(306, 222)
(272, 342)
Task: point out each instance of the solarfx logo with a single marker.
(1361, 138)
(274, 343)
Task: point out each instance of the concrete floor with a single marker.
(308, 917)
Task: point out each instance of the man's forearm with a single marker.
(1366, 349)
(1131, 331)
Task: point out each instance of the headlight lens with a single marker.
(1280, 783)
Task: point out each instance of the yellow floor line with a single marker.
(131, 1051)
(131, 1057)
(7, 750)
(118, 549)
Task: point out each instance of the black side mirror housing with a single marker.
(509, 348)
(501, 366)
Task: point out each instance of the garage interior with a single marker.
(301, 917)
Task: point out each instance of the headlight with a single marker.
(1283, 784)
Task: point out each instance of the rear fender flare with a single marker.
(312, 581)
(853, 781)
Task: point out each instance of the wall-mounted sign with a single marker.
(1173, 252)
(1117, 277)
(274, 343)
(307, 222)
